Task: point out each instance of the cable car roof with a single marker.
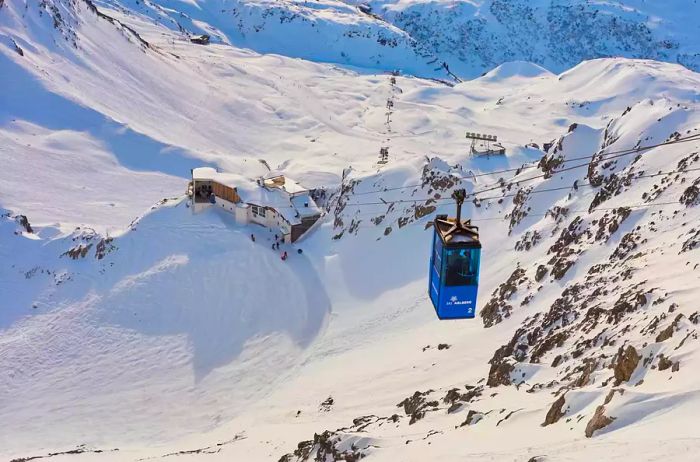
(453, 234)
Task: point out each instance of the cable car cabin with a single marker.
(454, 267)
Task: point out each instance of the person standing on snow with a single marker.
(284, 256)
(252, 237)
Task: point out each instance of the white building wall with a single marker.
(243, 214)
(199, 206)
(242, 211)
(226, 205)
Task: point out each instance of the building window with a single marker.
(258, 211)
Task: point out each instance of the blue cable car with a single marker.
(454, 265)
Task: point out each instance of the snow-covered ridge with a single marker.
(417, 37)
(324, 31)
(475, 36)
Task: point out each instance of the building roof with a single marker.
(289, 185)
(305, 205)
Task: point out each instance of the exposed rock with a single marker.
(626, 362)
(691, 196)
(78, 251)
(520, 208)
(692, 242)
(452, 396)
(416, 406)
(598, 421)
(326, 404)
(564, 251)
(103, 247)
(585, 377)
(555, 412)
(528, 241)
(497, 308)
(24, 223)
(628, 243)
(473, 417)
(554, 339)
(423, 210)
(557, 361)
(549, 163)
(324, 446)
(540, 273)
(611, 394)
(500, 373)
(79, 450)
(18, 49)
(664, 362)
(629, 302)
(695, 317)
(120, 25)
(665, 334)
(610, 223)
(454, 407)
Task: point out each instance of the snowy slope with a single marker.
(328, 31)
(175, 332)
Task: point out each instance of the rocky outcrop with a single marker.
(473, 417)
(555, 412)
(78, 251)
(598, 421)
(665, 334)
(327, 404)
(691, 195)
(324, 446)
(500, 373)
(103, 247)
(626, 362)
(416, 406)
(611, 395)
(497, 308)
(528, 241)
(24, 223)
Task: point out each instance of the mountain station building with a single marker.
(272, 200)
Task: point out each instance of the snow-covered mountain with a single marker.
(473, 36)
(443, 39)
(132, 328)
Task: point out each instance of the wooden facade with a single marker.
(225, 192)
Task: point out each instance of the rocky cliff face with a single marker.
(474, 38)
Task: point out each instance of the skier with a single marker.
(252, 237)
(284, 256)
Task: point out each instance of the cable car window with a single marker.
(462, 267)
(437, 260)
